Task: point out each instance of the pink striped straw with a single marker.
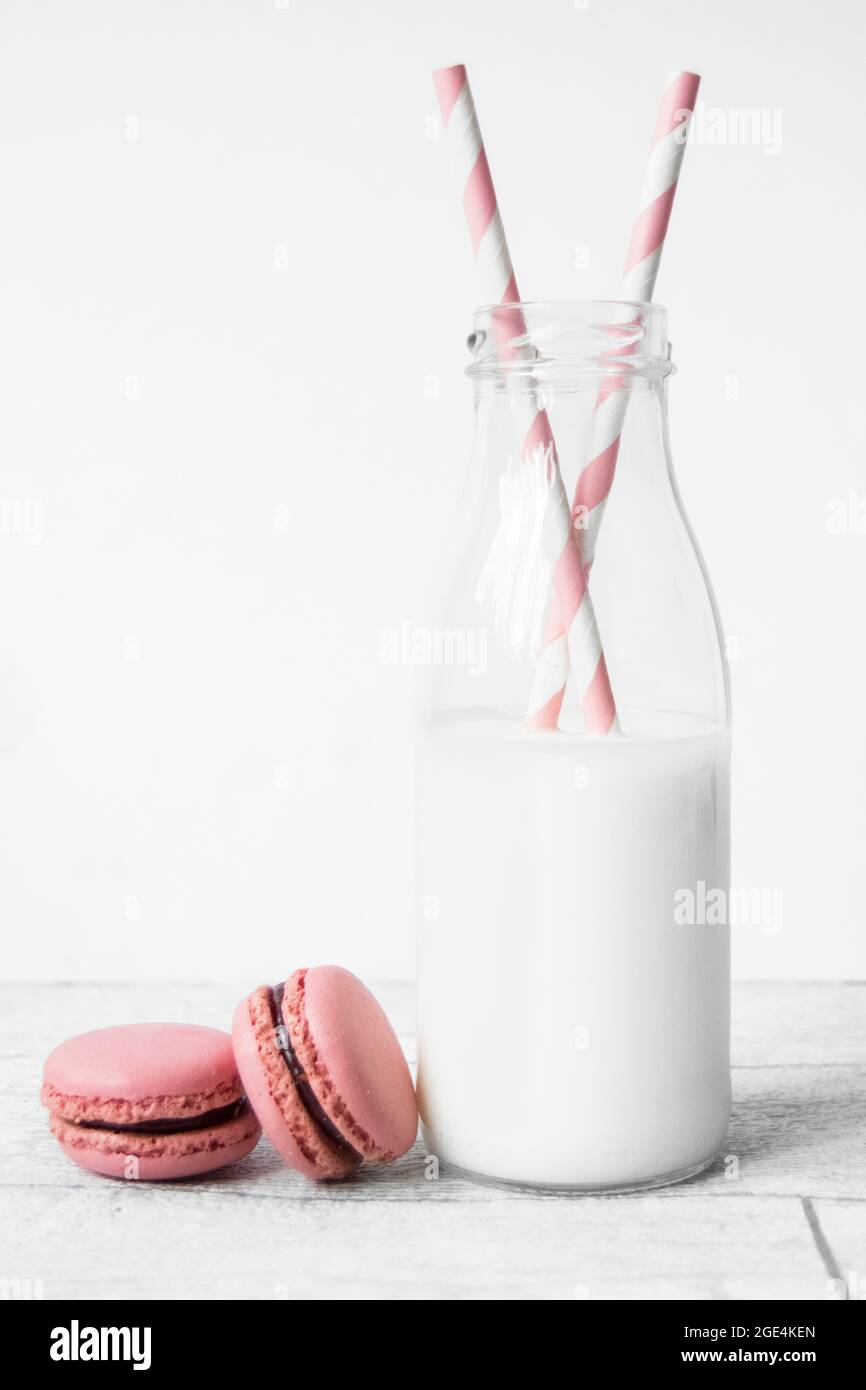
(638, 284)
(570, 639)
(639, 276)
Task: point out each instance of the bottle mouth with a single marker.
(555, 340)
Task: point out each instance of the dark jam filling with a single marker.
(305, 1091)
(209, 1120)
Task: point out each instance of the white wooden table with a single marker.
(787, 1220)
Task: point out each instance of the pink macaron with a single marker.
(149, 1101)
(324, 1072)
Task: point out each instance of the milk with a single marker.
(572, 1033)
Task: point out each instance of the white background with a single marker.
(234, 273)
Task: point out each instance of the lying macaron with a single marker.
(149, 1101)
(325, 1073)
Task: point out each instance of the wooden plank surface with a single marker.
(782, 1215)
(188, 1243)
(843, 1227)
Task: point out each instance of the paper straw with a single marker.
(570, 640)
(639, 276)
(638, 284)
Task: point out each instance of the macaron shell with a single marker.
(140, 1072)
(162, 1167)
(272, 1093)
(149, 1157)
(353, 1060)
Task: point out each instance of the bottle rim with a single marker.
(546, 340)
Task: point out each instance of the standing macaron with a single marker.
(325, 1073)
(149, 1101)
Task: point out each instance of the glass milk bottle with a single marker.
(573, 1000)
